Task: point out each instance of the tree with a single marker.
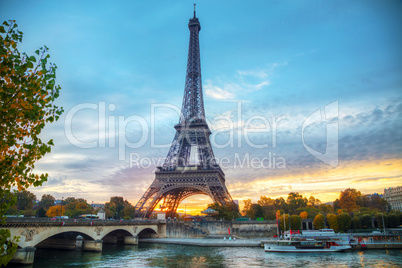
(326, 208)
(128, 212)
(280, 203)
(303, 215)
(332, 221)
(47, 201)
(76, 208)
(311, 211)
(349, 199)
(344, 221)
(257, 210)
(81, 205)
(227, 212)
(295, 222)
(25, 200)
(356, 224)
(115, 207)
(27, 94)
(366, 221)
(375, 202)
(268, 206)
(393, 220)
(336, 204)
(295, 201)
(247, 206)
(41, 212)
(318, 222)
(312, 201)
(55, 211)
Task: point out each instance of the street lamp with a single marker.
(383, 224)
(185, 213)
(92, 207)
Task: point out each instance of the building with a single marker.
(394, 197)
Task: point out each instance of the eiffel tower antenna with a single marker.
(190, 167)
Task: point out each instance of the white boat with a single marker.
(304, 246)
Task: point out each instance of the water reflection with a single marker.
(160, 255)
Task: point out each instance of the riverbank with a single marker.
(205, 242)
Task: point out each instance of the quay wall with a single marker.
(249, 229)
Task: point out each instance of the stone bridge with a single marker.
(84, 234)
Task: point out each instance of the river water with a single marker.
(164, 255)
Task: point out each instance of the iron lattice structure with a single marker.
(190, 167)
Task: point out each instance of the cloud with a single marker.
(243, 82)
(256, 73)
(216, 92)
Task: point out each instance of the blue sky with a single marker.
(280, 61)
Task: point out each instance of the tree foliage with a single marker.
(115, 208)
(349, 199)
(332, 221)
(318, 222)
(227, 212)
(295, 201)
(303, 215)
(347, 212)
(366, 221)
(76, 207)
(295, 222)
(47, 201)
(326, 208)
(344, 222)
(25, 200)
(356, 224)
(27, 94)
(54, 211)
(247, 206)
(257, 211)
(268, 206)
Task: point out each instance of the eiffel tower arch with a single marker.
(190, 167)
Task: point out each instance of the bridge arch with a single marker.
(34, 237)
(33, 233)
(147, 233)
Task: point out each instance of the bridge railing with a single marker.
(20, 222)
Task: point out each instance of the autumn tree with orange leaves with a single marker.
(27, 94)
(54, 211)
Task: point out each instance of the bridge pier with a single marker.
(24, 255)
(79, 241)
(162, 229)
(109, 239)
(131, 240)
(93, 245)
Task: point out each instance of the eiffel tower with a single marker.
(190, 167)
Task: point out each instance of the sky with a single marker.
(301, 96)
